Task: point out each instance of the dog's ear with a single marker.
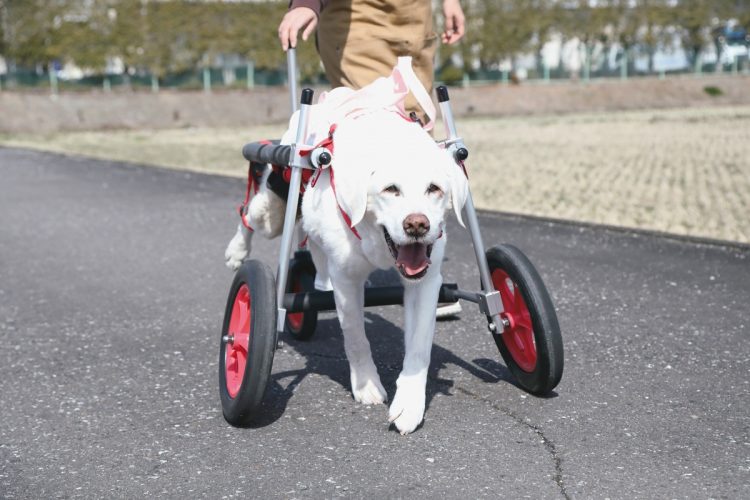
(351, 193)
(459, 186)
(355, 158)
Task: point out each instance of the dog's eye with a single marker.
(434, 188)
(392, 189)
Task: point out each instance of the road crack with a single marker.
(549, 445)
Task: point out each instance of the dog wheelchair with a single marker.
(520, 315)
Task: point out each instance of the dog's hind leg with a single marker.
(265, 214)
(350, 299)
(407, 409)
(238, 247)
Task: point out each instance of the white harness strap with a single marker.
(344, 103)
(415, 86)
(387, 93)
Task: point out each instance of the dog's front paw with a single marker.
(367, 389)
(407, 410)
(236, 252)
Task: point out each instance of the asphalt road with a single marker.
(112, 290)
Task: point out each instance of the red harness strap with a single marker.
(463, 167)
(325, 143)
(346, 217)
(242, 208)
(328, 144)
(286, 173)
(251, 186)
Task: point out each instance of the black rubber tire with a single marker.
(243, 407)
(301, 271)
(548, 370)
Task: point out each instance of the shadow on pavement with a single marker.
(324, 355)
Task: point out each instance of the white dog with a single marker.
(394, 184)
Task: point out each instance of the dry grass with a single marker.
(684, 171)
(680, 171)
(205, 150)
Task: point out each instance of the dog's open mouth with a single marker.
(412, 259)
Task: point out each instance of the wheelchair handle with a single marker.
(281, 154)
(265, 152)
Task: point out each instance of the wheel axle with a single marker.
(505, 321)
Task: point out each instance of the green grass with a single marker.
(713, 91)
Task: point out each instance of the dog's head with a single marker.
(393, 169)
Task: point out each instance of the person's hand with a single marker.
(293, 21)
(454, 21)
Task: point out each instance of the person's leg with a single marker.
(361, 40)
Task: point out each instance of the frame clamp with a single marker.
(456, 148)
(490, 303)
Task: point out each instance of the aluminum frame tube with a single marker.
(290, 216)
(374, 296)
(291, 72)
(295, 181)
(470, 214)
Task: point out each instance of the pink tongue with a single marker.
(412, 259)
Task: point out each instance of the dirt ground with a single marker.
(38, 112)
(684, 171)
(679, 171)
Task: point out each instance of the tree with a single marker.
(33, 31)
(40, 32)
(127, 32)
(259, 42)
(652, 17)
(694, 19)
(499, 28)
(4, 35)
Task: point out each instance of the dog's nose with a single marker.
(416, 225)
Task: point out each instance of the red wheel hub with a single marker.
(296, 319)
(518, 337)
(235, 358)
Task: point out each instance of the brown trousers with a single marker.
(360, 40)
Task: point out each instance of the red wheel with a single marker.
(235, 354)
(296, 320)
(248, 342)
(518, 336)
(301, 325)
(531, 343)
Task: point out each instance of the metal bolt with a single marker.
(504, 321)
(228, 339)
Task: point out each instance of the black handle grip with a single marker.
(442, 93)
(307, 96)
(263, 152)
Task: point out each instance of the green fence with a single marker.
(540, 74)
(207, 79)
(210, 79)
